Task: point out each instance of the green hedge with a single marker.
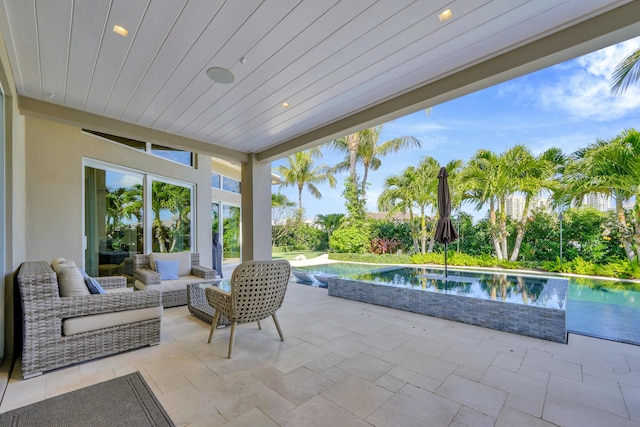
(621, 269)
(372, 258)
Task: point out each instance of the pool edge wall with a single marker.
(532, 321)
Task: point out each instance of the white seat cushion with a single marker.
(118, 290)
(172, 285)
(77, 325)
(183, 258)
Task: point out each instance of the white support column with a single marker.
(256, 210)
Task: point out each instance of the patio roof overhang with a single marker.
(341, 67)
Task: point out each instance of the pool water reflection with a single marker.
(601, 308)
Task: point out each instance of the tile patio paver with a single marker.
(345, 363)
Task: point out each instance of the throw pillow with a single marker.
(183, 258)
(71, 283)
(93, 286)
(63, 264)
(167, 269)
(56, 261)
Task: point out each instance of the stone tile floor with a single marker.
(345, 363)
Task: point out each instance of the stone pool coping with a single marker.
(534, 321)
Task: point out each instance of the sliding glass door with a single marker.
(230, 234)
(226, 223)
(171, 209)
(113, 220)
(129, 212)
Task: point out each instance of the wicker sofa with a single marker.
(61, 331)
(174, 292)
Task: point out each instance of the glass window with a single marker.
(180, 156)
(230, 184)
(138, 145)
(113, 221)
(171, 216)
(215, 218)
(173, 154)
(230, 234)
(215, 180)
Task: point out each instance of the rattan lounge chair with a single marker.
(174, 292)
(257, 291)
(104, 324)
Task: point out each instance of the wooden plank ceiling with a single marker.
(328, 59)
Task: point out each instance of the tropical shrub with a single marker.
(380, 246)
(458, 259)
(621, 268)
(299, 236)
(372, 258)
(350, 240)
(397, 231)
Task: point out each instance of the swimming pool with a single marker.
(595, 307)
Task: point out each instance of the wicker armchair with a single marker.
(45, 314)
(257, 291)
(174, 292)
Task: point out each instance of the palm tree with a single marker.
(626, 73)
(302, 174)
(611, 167)
(531, 175)
(364, 147)
(397, 197)
(484, 183)
(425, 193)
(415, 187)
(329, 222)
(490, 179)
(370, 150)
(349, 145)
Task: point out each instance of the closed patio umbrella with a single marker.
(445, 231)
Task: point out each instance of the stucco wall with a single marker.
(54, 187)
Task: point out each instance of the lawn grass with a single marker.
(290, 255)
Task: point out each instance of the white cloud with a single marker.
(567, 143)
(583, 91)
(117, 180)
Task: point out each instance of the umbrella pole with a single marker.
(445, 260)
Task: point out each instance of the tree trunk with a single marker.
(365, 174)
(160, 234)
(300, 188)
(423, 231)
(494, 230)
(414, 235)
(522, 225)
(432, 238)
(503, 229)
(624, 229)
(352, 146)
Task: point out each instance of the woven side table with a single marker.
(199, 306)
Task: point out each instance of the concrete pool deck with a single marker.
(346, 363)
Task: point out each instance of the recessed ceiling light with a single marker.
(285, 105)
(220, 75)
(446, 15)
(120, 30)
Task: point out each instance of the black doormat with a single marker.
(123, 401)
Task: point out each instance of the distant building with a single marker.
(514, 205)
(597, 201)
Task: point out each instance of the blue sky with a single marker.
(566, 106)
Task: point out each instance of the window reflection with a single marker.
(113, 221)
(171, 216)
